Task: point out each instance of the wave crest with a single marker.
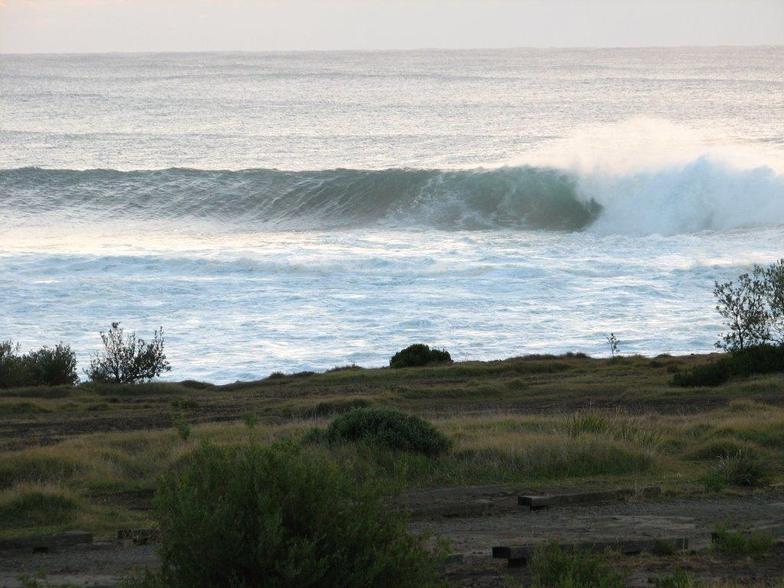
(702, 194)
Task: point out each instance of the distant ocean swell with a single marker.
(695, 196)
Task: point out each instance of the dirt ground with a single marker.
(474, 519)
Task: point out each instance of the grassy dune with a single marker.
(88, 457)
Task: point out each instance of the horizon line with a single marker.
(390, 50)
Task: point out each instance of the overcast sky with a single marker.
(203, 25)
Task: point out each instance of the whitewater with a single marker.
(299, 211)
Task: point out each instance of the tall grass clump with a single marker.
(390, 428)
(615, 427)
(556, 459)
(278, 517)
(553, 567)
(742, 468)
(419, 355)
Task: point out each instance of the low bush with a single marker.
(390, 428)
(278, 517)
(739, 544)
(49, 366)
(760, 359)
(419, 355)
(553, 567)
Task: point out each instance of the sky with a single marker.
(76, 26)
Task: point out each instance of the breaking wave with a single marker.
(701, 194)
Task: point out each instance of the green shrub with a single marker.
(390, 428)
(49, 366)
(54, 366)
(712, 374)
(553, 567)
(419, 355)
(13, 369)
(739, 544)
(278, 517)
(760, 359)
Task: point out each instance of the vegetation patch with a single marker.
(419, 355)
(25, 467)
(48, 366)
(714, 450)
(333, 407)
(126, 359)
(760, 359)
(390, 428)
(739, 544)
(615, 427)
(744, 468)
(678, 579)
(557, 458)
(554, 567)
(278, 517)
(35, 507)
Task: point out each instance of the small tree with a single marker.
(772, 280)
(743, 306)
(128, 359)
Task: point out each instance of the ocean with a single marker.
(300, 211)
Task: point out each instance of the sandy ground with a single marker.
(474, 519)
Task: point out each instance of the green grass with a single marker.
(732, 543)
(529, 422)
(36, 507)
(678, 579)
(553, 567)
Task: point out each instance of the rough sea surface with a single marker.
(293, 211)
